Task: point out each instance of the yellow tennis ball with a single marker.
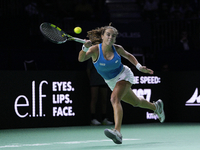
(77, 30)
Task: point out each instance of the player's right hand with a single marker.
(88, 43)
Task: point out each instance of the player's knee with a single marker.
(114, 100)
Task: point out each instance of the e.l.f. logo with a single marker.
(18, 105)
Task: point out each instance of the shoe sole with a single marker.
(162, 106)
(111, 136)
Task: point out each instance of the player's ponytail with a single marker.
(95, 34)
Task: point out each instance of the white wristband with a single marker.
(138, 66)
(85, 49)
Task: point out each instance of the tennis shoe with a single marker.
(95, 122)
(159, 110)
(114, 135)
(106, 122)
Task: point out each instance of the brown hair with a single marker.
(95, 34)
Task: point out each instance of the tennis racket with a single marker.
(57, 35)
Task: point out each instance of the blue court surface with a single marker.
(154, 136)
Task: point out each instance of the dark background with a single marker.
(152, 35)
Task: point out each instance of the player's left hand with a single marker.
(144, 69)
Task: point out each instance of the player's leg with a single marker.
(157, 107)
(132, 99)
(120, 90)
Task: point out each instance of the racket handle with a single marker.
(79, 40)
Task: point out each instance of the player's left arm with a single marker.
(121, 51)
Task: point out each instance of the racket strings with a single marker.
(53, 34)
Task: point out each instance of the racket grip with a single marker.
(79, 40)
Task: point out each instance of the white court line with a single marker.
(58, 143)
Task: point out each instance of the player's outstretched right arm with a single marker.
(85, 53)
(91, 52)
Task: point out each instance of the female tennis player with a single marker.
(106, 58)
